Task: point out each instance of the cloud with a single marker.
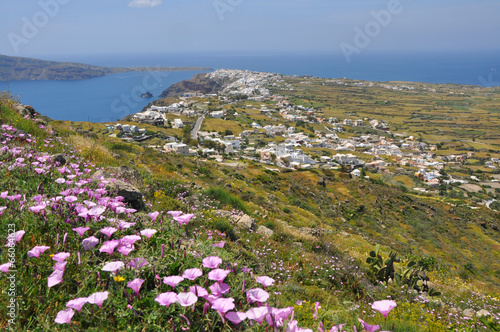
(144, 3)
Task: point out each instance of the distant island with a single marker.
(18, 69)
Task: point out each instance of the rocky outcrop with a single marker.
(245, 222)
(200, 83)
(263, 230)
(147, 95)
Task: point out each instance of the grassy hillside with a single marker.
(324, 223)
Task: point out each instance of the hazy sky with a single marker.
(66, 27)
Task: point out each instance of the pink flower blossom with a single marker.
(236, 317)
(219, 244)
(129, 239)
(125, 249)
(109, 246)
(135, 285)
(108, 231)
(198, 291)
(5, 267)
(257, 295)
(60, 266)
(138, 262)
(192, 274)
(218, 289)
(81, 230)
(367, 327)
(257, 314)
(172, 280)
(154, 215)
(148, 232)
(223, 305)
(166, 299)
(61, 257)
(175, 213)
(184, 219)
(55, 278)
(113, 266)
(384, 306)
(98, 298)
(212, 262)
(186, 299)
(64, 316)
(90, 242)
(70, 199)
(77, 303)
(38, 208)
(218, 275)
(37, 251)
(265, 281)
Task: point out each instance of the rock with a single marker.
(297, 245)
(222, 213)
(245, 222)
(263, 230)
(131, 195)
(315, 231)
(345, 234)
(468, 313)
(61, 159)
(454, 310)
(483, 313)
(147, 95)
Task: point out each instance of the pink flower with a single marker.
(223, 305)
(60, 266)
(96, 211)
(192, 274)
(219, 244)
(81, 230)
(90, 242)
(257, 295)
(135, 285)
(138, 262)
(61, 257)
(5, 267)
(186, 299)
(55, 278)
(113, 266)
(18, 235)
(77, 303)
(154, 215)
(198, 291)
(125, 249)
(166, 299)
(172, 280)
(175, 213)
(37, 208)
(218, 275)
(218, 289)
(129, 239)
(64, 316)
(70, 199)
(384, 306)
(109, 246)
(148, 232)
(265, 281)
(212, 262)
(258, 314)
(108, 231)
(184, 219)
(236, 317)
(369, 328)
(37, 251)
(98, 298)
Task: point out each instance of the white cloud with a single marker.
(144, 3)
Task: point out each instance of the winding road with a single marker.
(197, 126)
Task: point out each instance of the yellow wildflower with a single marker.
(119, 279)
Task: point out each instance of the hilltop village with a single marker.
(255, 116)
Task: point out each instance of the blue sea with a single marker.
(112, 97)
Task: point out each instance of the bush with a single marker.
(226, 198)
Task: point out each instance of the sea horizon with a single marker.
(105, 98)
